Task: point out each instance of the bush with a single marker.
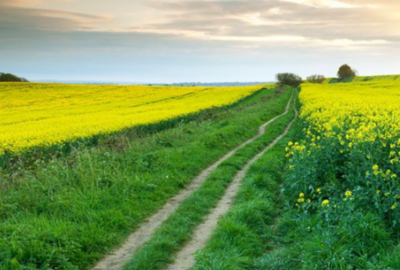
(8, 77)
(316, 79)
(345, 72)
(289, 79)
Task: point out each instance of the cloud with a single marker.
(323, 3)
(265, 21)
(337, 24)
(177, 35)
(22, 19)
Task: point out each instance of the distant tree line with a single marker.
(316, 79)
(8, 77)
(345, 74)
(289, 79)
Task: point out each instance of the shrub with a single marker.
(316, 79)
(345, 72)
(8, 77)
(289, 79)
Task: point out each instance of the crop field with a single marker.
(354, 137)
(342, 181)
(70, 210)
(269, 178)
(35, 114)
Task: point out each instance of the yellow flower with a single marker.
(308, 200)
(325, 203)
(301, 195)
(319, 190)
(348, 193)
(394, 206)
(375, 167)
(300, 200)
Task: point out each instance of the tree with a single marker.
(346, 72)
(8, 77)
(316, 79)
(289, 79)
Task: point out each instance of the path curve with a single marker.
(185, 258)
(119, 257)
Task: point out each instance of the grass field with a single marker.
(366, 79)
(178, 229)
(68, 211)
(247, 230)
(34, 114)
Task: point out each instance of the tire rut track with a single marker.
(120, 256)
(185, 258)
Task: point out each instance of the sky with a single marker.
(153, 41)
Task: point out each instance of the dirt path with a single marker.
(119, 257)
(185, 258)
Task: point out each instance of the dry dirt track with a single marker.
(185, 258)
(119, 257)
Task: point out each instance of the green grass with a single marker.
(244, 233)
(177, 230)
(66, 212)
(365, 79)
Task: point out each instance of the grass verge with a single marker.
(177, 230)
(67, 212)
(243, 234)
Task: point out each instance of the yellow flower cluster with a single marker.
(353, 113)
(302, 199)
(35, 114)
(325, 203)
(361, 120)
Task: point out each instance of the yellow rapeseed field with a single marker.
(34, 114)
(349, 154)
(352, 112)
(352, 131)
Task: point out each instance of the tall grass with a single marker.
(177, 230)
(246, 231)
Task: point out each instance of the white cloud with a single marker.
(322, 3)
